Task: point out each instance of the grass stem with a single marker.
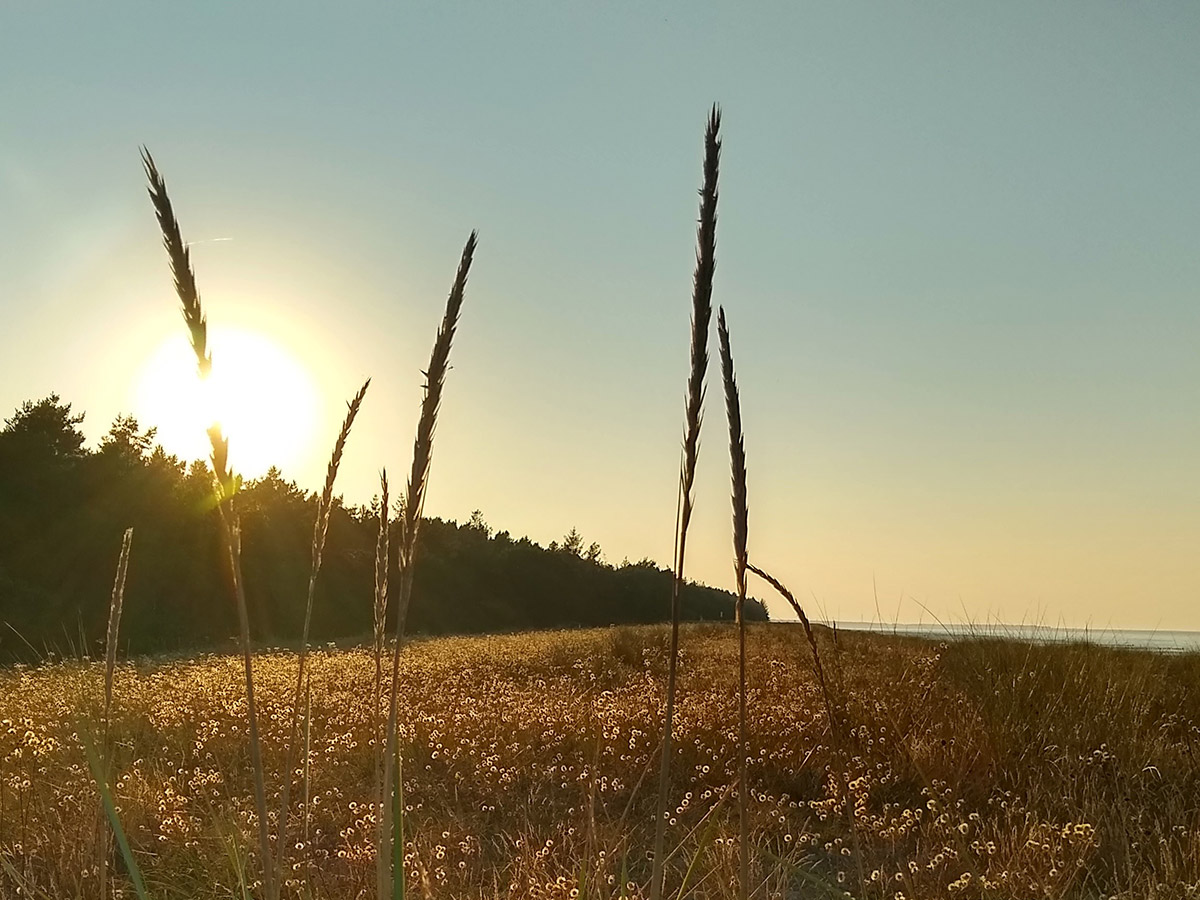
(706, 240)
(737, 467)
(226, 486)
(320, 530)
(410, 522)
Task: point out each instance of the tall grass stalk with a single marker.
(320, 530)
(382, 561)
(110, 668)
(116, 602)
(818, 668)
(307, 808)
(836, 731)
(737, 468)
(99, 775)
(390, 850)
(706, 241)
(226, 486)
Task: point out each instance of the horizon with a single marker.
(956, 248)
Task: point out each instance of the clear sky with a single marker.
(959, 249)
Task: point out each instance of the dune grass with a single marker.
(390, 872)
(521, 766)
(226, 485)
(741, 527)
(320, 531)
(702, 284)
(111, 640)
(273, 866)
(976, 768)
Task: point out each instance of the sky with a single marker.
(957, 248)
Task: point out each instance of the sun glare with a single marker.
(262, 397)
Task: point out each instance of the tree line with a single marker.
(64, 508)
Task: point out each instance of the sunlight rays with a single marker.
(262, 396)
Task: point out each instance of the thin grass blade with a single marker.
(226, 484)
(702, 280)
(110, 810)
(737, 468)
(413, 503)
(320, 530)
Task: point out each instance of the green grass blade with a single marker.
(110, 810)
(705, 840)
(236, 861)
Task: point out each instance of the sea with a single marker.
(1146, 639)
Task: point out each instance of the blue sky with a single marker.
(957, 248)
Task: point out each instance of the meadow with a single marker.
(748, 760)
(973, 768)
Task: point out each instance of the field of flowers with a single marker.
(969, 769)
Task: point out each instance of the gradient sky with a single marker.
(959, 249)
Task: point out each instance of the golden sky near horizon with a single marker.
(957, 250)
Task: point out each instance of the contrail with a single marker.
(207, 241)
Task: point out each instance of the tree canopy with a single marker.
(64, 508)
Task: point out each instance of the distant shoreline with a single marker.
(1135, 638)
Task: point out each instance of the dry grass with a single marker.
(896, 768)
(383, 557)
(741, 519)
(390, 867)
(702, 282)
(838, 729)
(226, 484)
(112, 637)
(112, 634)
(272, 864)
(975, 769)
(320, 530)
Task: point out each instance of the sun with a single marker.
(262, 397)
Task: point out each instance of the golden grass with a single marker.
(741, 520)
(320, 530)
(383, 559)
(112, 637)
(112, 634)
(226, 484)
(837, 724)
(974, 769)
(389, 863)
(899, 768)
(272, 864)
(702, 282)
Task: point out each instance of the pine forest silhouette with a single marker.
(64, 508)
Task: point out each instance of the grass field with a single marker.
(976, 768)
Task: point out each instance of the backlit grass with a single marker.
(976, 769)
